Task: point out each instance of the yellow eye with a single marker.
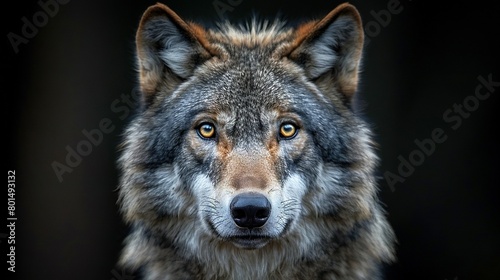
(206, 130)
(288, 130)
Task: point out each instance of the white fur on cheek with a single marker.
(294, 189)
(203, 191)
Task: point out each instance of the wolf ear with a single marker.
(168, 49)
(330, 49)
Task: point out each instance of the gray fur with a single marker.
(175, 189)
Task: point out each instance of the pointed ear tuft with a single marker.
(330, 49)
(168, 48)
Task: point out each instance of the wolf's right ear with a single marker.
(168, 49)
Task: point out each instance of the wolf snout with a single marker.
(250, 210)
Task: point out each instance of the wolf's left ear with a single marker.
(168, 49)
(330, 49)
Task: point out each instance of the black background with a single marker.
(424, 60)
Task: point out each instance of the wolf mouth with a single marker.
(250, 242)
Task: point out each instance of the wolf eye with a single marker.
(288, 131)
(206, 130)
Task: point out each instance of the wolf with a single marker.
(247, 158)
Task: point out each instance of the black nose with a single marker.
(250, 210)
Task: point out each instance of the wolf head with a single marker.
(247, 136)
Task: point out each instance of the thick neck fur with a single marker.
(338, 247)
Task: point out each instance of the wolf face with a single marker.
(247, 147)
